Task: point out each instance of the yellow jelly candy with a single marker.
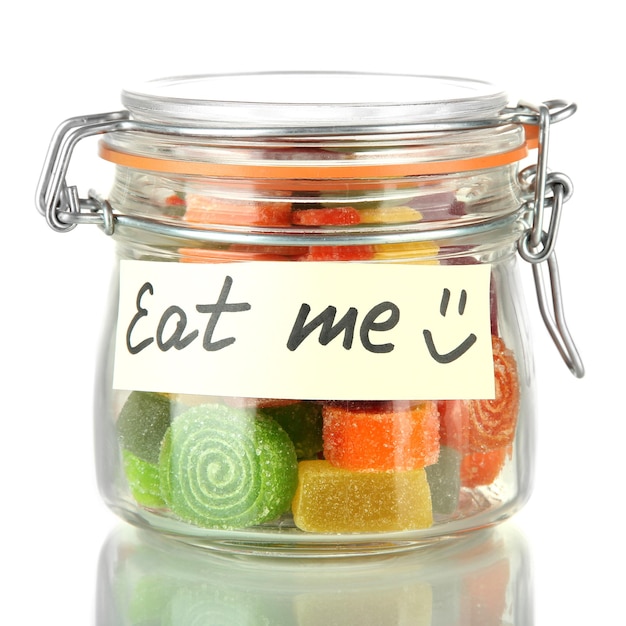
(334, 500)
(418, 252)
(389, 215)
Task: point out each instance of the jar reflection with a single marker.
(482, 580)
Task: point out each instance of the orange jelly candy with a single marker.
(492, 422)
(483, 425)
(396, 436)
(334, 500)
(208, 210)
(482, 468)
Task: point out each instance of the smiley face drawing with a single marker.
(464, 346)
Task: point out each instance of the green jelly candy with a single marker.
(143, 421)
(444, 478)
(224, 467)
(302, 421)
(143, 480)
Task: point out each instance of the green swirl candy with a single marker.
(222, 467)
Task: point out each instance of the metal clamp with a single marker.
(537, 244)
(60, 204)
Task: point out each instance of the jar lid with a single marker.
(323, 100)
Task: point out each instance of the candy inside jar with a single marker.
(318, 343)
(324, 467)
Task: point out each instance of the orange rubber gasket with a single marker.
(532, 136)
(310, 172)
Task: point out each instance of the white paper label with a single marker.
(347, 331)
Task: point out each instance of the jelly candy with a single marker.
(233, 253)
(143, 480)
(339, 253)
(175, 200)
(302, 421)
(483, 425)
(389, 215)
(445, 481)
(337, 216)
(334, 500)
(370, 438)
(211, 210)
(222, 467)
(422, 252)
(440, 205)
(492, 422)
(142, 423)
(454, 424)
(482, 468)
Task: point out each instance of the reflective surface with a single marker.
(483, 580)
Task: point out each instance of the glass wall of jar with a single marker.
(260, 455)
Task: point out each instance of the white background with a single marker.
(68, 58)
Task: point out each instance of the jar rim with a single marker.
(314, 100)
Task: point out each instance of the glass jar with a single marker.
(317, 342)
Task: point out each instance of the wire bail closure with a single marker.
(537, 244)
(63, 209)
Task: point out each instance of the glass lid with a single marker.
(324, 100)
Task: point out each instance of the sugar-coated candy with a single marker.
(143, 480)
(234, 253)
(482, 468)
(373, 436)
(302, 421)
(212, 210)
(454, 424)
(445, 481)
(389, 214)
(333, 216)
(416, 252)
(223, 467)
(334, 500)
(142, 423)
(483, 425)
(492, 423)
(361, 252)
(438, 205)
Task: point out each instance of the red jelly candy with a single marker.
(339, 253)
(175, 200)
(454, 424)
